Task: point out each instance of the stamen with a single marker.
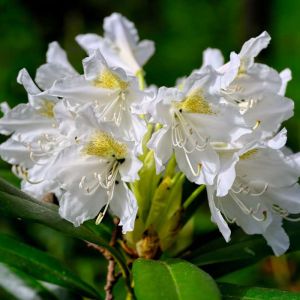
(249, 211)
(261, 192)
(257, 124)
(223, 212)
(284, 213)
(199, 166)
(182, 133)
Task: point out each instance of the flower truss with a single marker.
(103, 142)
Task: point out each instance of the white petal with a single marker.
(144, 51)
(271, 111)
(25, 79)
(130, 168)
(57, 67)
(269, 166)
(207, 160)
(94, 65)
(161, 144)
(253, 47)
(279, 140)
(89, 42)
(79, 89)
(276, 237)
(230, 70)
(25, 121)
(286, 197)
(39, 190)
(286, 76)
(227, 173)
(216, 215)
(77, 207)
(15, 153)
(213, 57)
(124, 206)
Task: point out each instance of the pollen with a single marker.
(195, 104)
(46, 109)
(104, 145)
(248, 154)
(109, 80)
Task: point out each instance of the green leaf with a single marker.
(242, 250)
(172, 279)
(18, 204)
(41, 266)
(20, 286)
(234, 292)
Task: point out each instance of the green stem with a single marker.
(193, 196)
(141, 79)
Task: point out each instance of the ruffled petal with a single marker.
(213, 57)
(253, 47)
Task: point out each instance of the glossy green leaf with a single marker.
(41, 266)
(233, 292)
(240, 251)
(20, 286)
(172, 279)
(16, 203)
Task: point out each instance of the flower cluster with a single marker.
(83, 137)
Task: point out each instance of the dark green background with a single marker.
(181, 29)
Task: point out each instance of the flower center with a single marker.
(46, 109)
(104, 145)
(195, 104)
(109, 80)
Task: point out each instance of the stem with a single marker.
(141, 79)
(111, 277)
(193, 196)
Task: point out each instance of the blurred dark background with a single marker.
(181, 29)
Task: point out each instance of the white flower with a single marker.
(193, 121)
(112, 93)
(30, 124)
(120, 45)
(256, 88)
(93, 171)
(256, 190)
(57, 66)
(33, 128)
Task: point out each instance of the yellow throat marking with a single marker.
(104, 145)
(248, 154)
(109, 80)
(46, 109)
(195, 103)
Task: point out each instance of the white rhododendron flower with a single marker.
(261, 190)
(91, 172)
(94, 141)
(114, 94)
(120, 45)
(193, 121)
